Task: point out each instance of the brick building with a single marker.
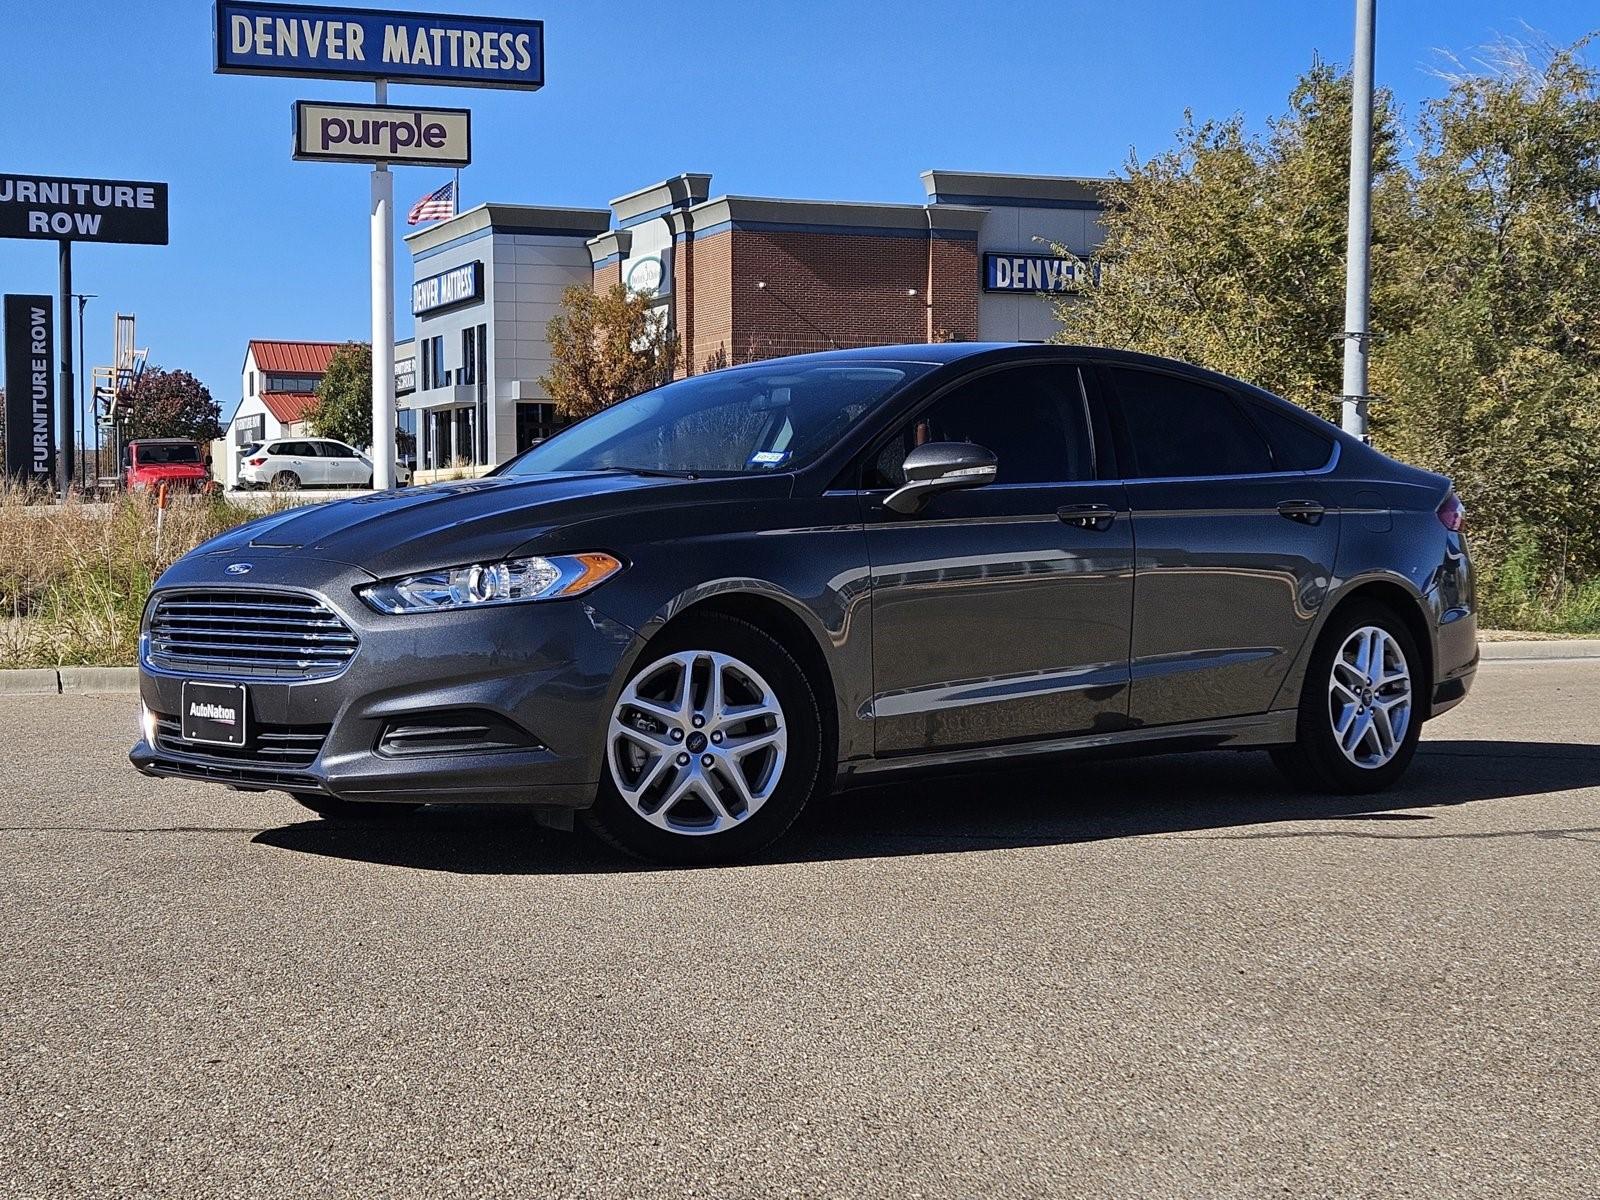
(738, 277)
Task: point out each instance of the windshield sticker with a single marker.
(768, 458)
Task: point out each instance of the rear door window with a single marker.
(1181, 428)
(1296, 445)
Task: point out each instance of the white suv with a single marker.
(310, 462)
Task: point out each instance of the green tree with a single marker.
(343, 407)
(1493, 374)
(1228, 250)
(171, 404)
(605, 347)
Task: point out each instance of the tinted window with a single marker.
(1182, 428)
(294, 449)
(1031, 417)
(1296, 446)
(763, 417)
(156, 456)
(334, 450)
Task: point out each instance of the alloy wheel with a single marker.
(697, 743)
(1369, 697)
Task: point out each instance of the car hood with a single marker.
(395, 532)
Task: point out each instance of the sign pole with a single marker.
(382, 316)
(64, 459)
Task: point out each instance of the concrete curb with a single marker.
(1556, 648)
(124, 681)
(73, 681)
(30, 682)
(94, 681)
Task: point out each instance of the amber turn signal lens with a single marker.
(595, 568)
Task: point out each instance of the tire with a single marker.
(1318, 759)
(286, 481)
(653, 804)
(332, 809)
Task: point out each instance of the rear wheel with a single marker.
(713, 748)
(1359, 707)
(333, 809)
(286, 481)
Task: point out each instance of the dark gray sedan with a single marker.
(688, 615)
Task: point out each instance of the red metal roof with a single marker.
(288, 406)
(293, 358)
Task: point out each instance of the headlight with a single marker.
(478, 584)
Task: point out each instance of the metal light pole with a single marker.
(382, 316)
(83, 408)
(1357, 286)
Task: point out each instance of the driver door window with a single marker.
(1032, 418)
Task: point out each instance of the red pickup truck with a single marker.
(176, 462)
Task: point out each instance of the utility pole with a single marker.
(1357, 285)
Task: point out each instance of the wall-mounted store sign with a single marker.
(392, 133)
(83, 210)
(356, 43)
(30, 390)
(647, 275)
(1034, 273)
(459, 285)
(405, 376)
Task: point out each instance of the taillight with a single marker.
(1453, 514)
(256, 462)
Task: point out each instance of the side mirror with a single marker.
(941, 467)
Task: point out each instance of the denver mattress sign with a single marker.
(357, 43)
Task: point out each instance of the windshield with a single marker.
(157, 456)
(740, 420)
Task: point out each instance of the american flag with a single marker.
(435, 206)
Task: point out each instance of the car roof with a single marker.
(942, 353)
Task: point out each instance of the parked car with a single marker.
(290, 463)
(692, 613)
(147, 463)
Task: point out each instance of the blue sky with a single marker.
(818, 99)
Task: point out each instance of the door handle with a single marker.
(1307, 512)
(1087, 516)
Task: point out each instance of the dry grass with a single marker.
(74, 577)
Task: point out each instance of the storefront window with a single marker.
(535, 422)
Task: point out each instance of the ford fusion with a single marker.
(689, 615)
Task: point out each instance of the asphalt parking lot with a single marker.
(1142, 978)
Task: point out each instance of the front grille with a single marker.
(277, 747)
(282, 635)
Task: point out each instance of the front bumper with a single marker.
(547, 669)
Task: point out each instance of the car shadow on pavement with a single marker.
(1070, 801)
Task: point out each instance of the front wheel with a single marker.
(713, 747)
(1359, 714)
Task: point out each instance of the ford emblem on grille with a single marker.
(237, 569)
